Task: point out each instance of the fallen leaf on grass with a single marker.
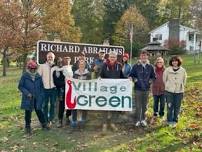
(4, 139)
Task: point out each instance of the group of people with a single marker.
(42, 86)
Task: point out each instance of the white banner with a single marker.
(99, 94)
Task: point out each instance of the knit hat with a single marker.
(31, 64)
(126, 55)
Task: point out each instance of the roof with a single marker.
(154, 46)
(182, 26)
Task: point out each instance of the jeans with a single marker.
(50, 96)
(83, 114)
(159, 99)
(28, 115)
(141, 100)
(173, 106)
(61, 98)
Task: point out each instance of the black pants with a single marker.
(61, 98)
(28, 115)
(62, 109)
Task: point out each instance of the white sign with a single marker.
(99, 94)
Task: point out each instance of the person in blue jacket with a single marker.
(142, 74)
(31, 87)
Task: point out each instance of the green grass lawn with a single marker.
(186, 137)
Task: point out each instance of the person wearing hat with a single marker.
(126, 67)
(31, 87)
(81, 57)
(98, 63)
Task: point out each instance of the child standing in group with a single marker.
(82, 74)
(31, 86)
(174, 78)
(158, 89)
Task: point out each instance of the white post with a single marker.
(194, 41)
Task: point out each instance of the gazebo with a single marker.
(155, 49)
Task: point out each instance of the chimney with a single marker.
(174, 29)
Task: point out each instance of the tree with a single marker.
(9, 30)
(131, 18)
(113, 11)
(89, 17)
(175, 9)
(196, 10)
(57, 20)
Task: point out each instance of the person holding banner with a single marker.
(82, 74)
(59, 81)
(111, 69)
(31, 86)
(142, 74)
(126, 67)
(98, 63)
(46, 72)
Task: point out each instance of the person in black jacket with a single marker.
(111, 69)
(59, 81)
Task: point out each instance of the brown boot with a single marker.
(59, 124)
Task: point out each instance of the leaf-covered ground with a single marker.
(186, 137)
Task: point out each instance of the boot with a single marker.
(28, 131)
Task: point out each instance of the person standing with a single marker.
(142, 74)
(98, 63)
(46, 72)
(158, 89)
(31, 86)
(174, 78)
(82, 74)
(111, 69)
(126, 67)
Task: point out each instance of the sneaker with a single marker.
(144, 123)
(104, 127)
(28, 131)
(137, 124)
(59, 124)
(113, 126)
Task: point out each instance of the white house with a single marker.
(191, 37)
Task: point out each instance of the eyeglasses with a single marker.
(159, 62)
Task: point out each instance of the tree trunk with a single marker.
(4, 61)
(24, 58)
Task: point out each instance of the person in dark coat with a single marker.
(126, 67)
(142, 74)
(59, 82)
(111, 69)
(31, 86)
(98, 63)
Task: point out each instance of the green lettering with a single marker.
(101, 101)
(114, 101)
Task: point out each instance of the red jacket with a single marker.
(158, 86)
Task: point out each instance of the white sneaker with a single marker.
(138, 124)
(144, 123)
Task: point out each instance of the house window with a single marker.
(191, 37)
(158, 36)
